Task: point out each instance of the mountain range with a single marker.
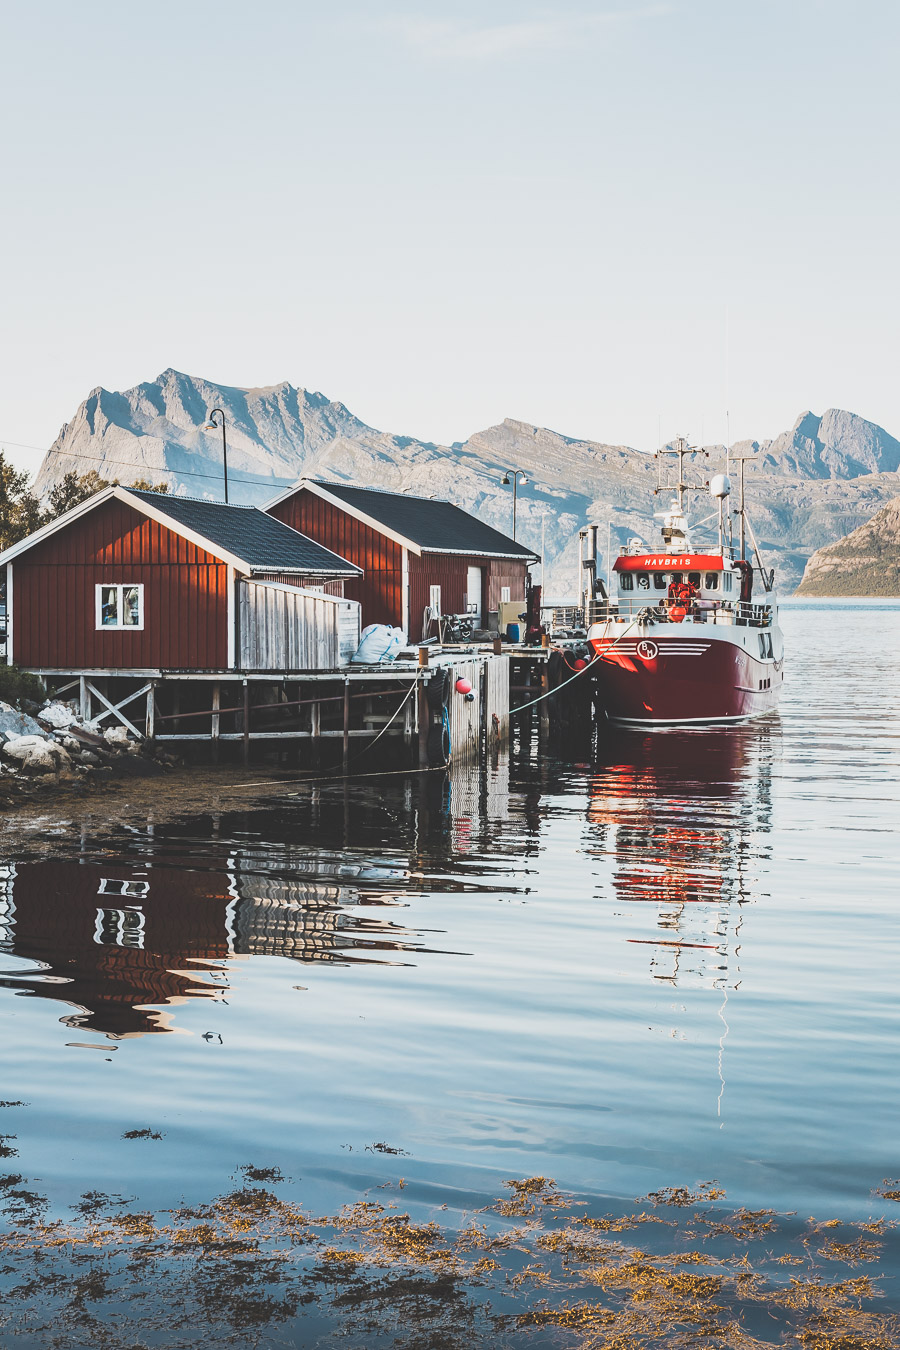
(806, 488)
(865, 562)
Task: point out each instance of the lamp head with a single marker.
(504, 481)
(524, 479)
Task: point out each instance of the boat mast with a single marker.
(742, 459)
(680, 448)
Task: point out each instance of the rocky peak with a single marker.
(824, 476)
(836, 445)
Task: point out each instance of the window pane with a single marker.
(131, 606)
(627, 581)
(712, 581)
(659, 581)
(109, 609)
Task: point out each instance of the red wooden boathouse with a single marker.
(142, 582)
(416, 553)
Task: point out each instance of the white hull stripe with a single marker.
(665, 649)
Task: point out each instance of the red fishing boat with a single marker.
(687, 635)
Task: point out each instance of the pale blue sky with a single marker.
(448, 214)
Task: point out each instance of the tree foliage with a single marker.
(20, 510)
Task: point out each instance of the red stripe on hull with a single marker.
(720, 683)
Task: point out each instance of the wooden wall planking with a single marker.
(185, 597)
(284, 628)
(380, 590)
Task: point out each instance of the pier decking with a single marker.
(412, 702)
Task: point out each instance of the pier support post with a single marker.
(544, 705)
(214, 721)
(423, 723)
(345, 758)
(246, 743)
(84, 699)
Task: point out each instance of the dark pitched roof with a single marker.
(435, 525)
(248, 533)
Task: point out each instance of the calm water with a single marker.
(674, 961)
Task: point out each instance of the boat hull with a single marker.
(683, 678)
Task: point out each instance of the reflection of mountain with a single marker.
(680, 813)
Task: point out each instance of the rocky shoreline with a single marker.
(47, 749)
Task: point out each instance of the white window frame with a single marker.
(137, 890)
(434, 600)
(505, 596)
(120, 587)
(123, 933)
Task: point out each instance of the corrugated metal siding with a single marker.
(289, 629)
(380, 591)
(496, 695)
(465, 718)
(185, 597)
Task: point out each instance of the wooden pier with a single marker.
(411, 705)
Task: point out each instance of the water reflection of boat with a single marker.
(682, 815)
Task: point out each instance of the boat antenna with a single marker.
(728, 475)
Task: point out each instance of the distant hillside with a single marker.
(808, 487)
(866, 562)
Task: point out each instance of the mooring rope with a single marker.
(556, 689)
(366, 748)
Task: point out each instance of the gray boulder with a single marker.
(13, 723)
(34, 754)
(58, 715)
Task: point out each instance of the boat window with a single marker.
(643, 581)
(726, 581)
(626, 582)
(694, 578)
(712, 581)
(659, 581)
(762, 644)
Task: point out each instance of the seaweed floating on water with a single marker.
(250, 1266)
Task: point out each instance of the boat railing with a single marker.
(744, 613)
(562, 618)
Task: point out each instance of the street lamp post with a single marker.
(505, 482)
(212, 425)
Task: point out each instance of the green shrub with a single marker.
(17, 684)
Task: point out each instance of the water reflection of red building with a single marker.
(114, 942)
(677, 810)
(123, 946)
